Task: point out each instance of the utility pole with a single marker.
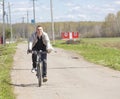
(3, 23)
(34, 12)
(7, 20)
(27, 17)
(27, 24)
(23, 34)
(51, 9)
(10, 21)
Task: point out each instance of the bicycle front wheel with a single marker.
(39, 75)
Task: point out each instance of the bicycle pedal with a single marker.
(45, 79)
(36, 74)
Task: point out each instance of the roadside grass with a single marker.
(103, 51)
(6, 61)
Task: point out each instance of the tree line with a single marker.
(110, 27)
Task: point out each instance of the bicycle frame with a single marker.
(39, 66)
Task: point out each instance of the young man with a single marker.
(40, 41)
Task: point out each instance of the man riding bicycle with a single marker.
(39, 40)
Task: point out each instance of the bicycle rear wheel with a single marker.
(39, 75)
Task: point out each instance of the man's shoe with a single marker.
(45, 79)
(33, 70)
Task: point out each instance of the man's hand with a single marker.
(29, 51)
(49, 50)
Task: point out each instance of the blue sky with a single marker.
(63, 10)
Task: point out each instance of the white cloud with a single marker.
(69, 4)
(45, 7)
(110, 9)
(63, 9)
(64, 17)
(76, 8)
(70, 16)
(117, 2)
(90, 6)
(20, 7)
(82, 16)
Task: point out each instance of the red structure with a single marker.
(75, 35)
(1, 40)
(70, 35)
(65, 35)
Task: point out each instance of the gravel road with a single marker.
(69, 77)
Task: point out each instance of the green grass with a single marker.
(6, 61)
(104, 51)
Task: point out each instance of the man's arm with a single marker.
(30, 43)
(48, 44)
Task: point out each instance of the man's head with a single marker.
(39, 29)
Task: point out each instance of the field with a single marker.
(6, 60)
(103, 51)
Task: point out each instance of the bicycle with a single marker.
(39, 65)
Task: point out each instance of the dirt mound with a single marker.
(73, 42)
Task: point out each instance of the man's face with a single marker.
(39, 30)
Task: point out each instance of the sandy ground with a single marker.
(69, 77)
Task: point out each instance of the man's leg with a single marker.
(44, 61)
(34, 57)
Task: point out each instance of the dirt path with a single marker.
(69, 77)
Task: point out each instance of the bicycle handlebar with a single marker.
(39, 52)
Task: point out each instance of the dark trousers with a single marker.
(44, 63)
